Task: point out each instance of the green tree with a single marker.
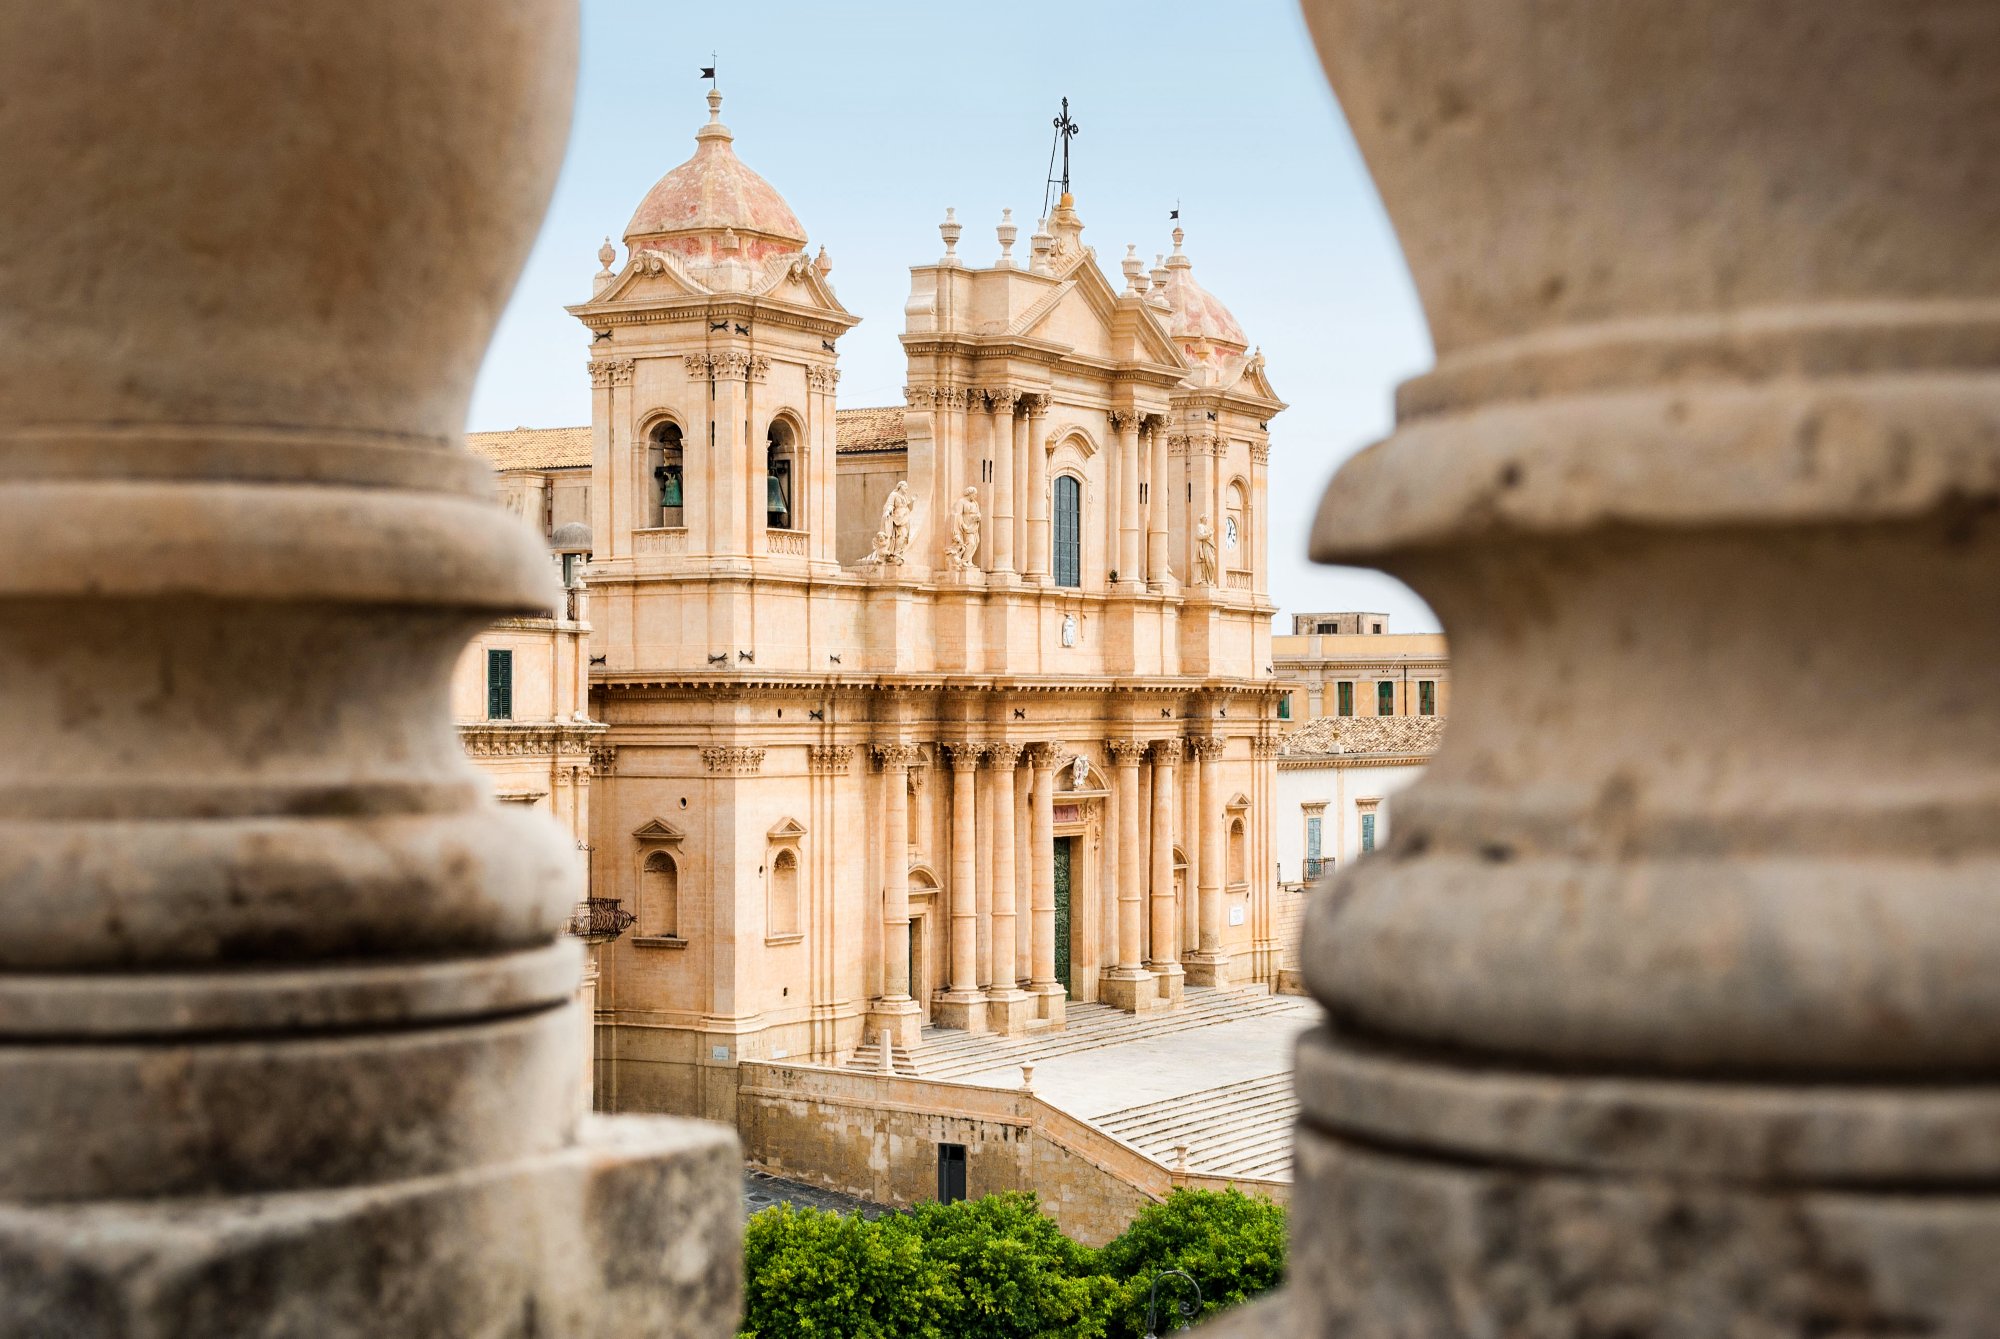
(1014, 1275)
(1233, 1245)
(815, 1275)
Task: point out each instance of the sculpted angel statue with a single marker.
(892, 540)
(1204, 552)
(963, 551)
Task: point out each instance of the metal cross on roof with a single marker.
(1066, 130)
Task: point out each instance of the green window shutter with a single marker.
(1427, 698)
(1346, 699)
(1385, 699)
(1367, 832)
(1066, 533)
(499, 685)
(1285, 708)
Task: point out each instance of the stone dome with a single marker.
(571, 537)
(1200, 324)
(713, 204)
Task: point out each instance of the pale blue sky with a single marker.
(871, 119)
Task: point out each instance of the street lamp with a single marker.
(1185, 1309)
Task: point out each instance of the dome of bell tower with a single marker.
(713, 204)
(1200, 324)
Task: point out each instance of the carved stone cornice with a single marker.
(829, 757)
(1125, 752)
(964, 755)
(1205, 748)
(822, 378)
(1003, 757)
(900, 757)
(733, 759)
(524, 739)
(610, 372)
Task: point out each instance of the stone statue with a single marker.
(1204, 553)
(892, 541)
(963, 551)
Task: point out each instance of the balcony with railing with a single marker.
(598, 920)
(786, 543)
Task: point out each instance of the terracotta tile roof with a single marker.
(1363, 734)
(856, 430)
(533, 448)
(859, 430)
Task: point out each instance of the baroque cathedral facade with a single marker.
(948, 713)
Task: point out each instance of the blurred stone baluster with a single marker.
(287, 1042)
(1672, 1008)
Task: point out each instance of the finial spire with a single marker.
(1066, 130)
(950, 230)
(1006, 232)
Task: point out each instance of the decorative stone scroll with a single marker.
(732, 759)
(610, 372)
(829, 758)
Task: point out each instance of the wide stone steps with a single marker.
(947, 1053)
(1238, 1129)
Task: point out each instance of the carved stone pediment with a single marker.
(658, 830)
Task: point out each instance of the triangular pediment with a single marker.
(786, 829)
(1238, 801)
(658, 830)
(1085, 314)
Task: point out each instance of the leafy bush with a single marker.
(996, 1268)
(1233, 1245)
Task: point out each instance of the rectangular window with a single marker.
(1346, 698)
(1427, 698)
(1285, 708)
(1367, 832)
(1385, 699)
(1066, 532)
(1312, 846)
(951, 1173)
(1378, 627)
(499, 685)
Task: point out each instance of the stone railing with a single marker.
(786, 543)
(1237, 579)
(656, 543)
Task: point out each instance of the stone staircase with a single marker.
(947, 1053)
(1238, 1129)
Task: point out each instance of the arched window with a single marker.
(780, 477)
(1236, 528)
(659, 897)
(1237, 865)
(784, 893)
(669, 480)
(1066, 532)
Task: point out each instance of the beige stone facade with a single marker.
(1351, 664)
(951, 711)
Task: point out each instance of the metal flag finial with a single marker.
(1066, 130)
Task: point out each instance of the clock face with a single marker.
(1229, 531)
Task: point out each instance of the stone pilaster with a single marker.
(1008, 1006)
(1165, 964)
(289, 1039)
(1036, 563)
(1126, 984)
(1129, 551)
(964, 1004)
(1206, 965)
(1048, 992)
(894, 1013)
(1650, 1020)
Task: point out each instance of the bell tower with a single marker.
(712, 365)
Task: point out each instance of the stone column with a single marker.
(289, 1037)
(1205, 966)
(1678, 1023)
(1127, 985)
(1000, 445)
(1017, 481)
(964, 1005)
(1008, 1006)
(1043, 985)
(1126, 423)
(1159, 505)
(896, 1012)
(1165, 933)
(1037, 564)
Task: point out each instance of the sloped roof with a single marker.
(533, 448)
(1363, 734)
(863, 430)
(855, 430)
